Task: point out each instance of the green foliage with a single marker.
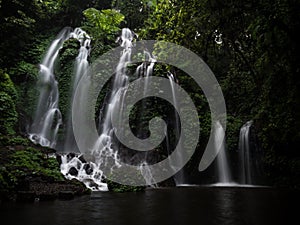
(135, 11)
(31, 162)
(256, 63)
(12, 141)
(102, 23)
(102, 26)
(7, 86)
(24, 72)
(232, 132)
(8, 96)
(19, 165)
(25, 75)
(64, 74)
(19, 21)
(120, 188)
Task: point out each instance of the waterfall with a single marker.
(81, 66)
(47, 117)
(75, 167)
(145, 69)
(147, 174)
(244, 154)
(103, 149)
(179, 177)
(224, 175)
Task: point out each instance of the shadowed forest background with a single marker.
(251, 46)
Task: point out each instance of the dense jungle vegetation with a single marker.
(251, 46)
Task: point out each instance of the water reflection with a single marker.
(176, 206)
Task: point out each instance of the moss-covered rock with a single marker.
(28, 172)
(116, 187)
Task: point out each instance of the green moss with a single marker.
(35, 161)
(8, 113)
(233, 127)
(11, 141)
(7, 86)
(29, 162)
(116, 187)
(8, 97)
(64, 73)
(24, 72)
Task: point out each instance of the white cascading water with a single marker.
(145, 69)
(48, 118)
(103, 149)
(147, 174)
(179, 177)
(75, 167)
(86, 172)
(244, 154)
(224, 175)
(81, 66)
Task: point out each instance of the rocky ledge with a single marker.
(28, 173)
(44, 191)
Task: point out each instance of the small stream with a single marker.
(177, 206)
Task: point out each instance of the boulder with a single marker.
(73, 171)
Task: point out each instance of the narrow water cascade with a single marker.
(245, 175)
(251, 169)
(179, 177)
(223, 171)
(103, 149)
(48, 117)
(145, 69)
(81, 66)
(147, 174)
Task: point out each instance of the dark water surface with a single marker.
(176, 206)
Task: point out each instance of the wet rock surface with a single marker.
(45, 191)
